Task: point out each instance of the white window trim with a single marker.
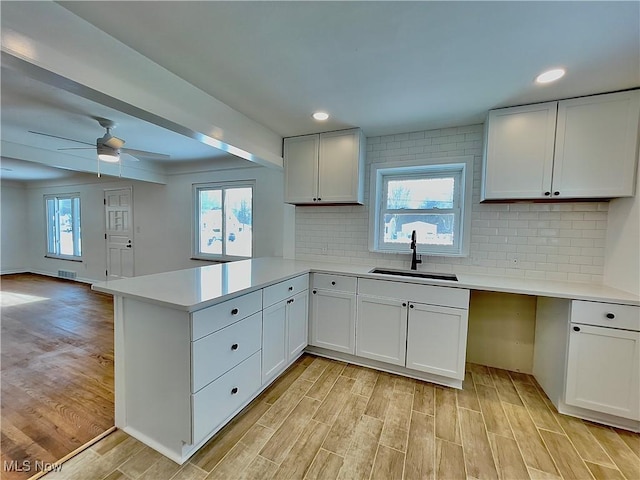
(195, 224)
(76, 226)
(421, 167)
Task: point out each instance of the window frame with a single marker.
(460, 168)
(195, 233)
(52, 230)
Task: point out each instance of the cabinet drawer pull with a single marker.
(314, 292)
(293, 300)
(556, 193)
(610, 316)
(546, 194)
(234, 311)
(291, 289)
(319, 199)
(234, 390)
(410, 306)
(315, 199)
(576, 329)
(404, 304)
(333, 283)
(234, 346)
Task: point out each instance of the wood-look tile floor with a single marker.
(57, 369)
(329, 420)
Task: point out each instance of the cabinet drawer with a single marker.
(283, 290)
(217, 401)
(213, 355)
(338, 283)
(606, 315)
(209, 320)
(429, 294)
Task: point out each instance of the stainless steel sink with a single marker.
(410, 273)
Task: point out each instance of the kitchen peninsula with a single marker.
(193, 347)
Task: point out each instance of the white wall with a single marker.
(162, 217)
(13, 227)
(553, 241)
(622, 255)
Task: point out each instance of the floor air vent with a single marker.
(67, 274)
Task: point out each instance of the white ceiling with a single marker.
(386, 67)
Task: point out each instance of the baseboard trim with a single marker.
(44, 273)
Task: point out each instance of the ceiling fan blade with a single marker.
(78, 148)
(61, 138)
(145, 154)
(113, 142)
(129, 157)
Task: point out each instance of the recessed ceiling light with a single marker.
(321, 116)
(550, 75)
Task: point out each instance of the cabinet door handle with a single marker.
(319, 199)
(546, 194)
(610, 316)
(293, 300)
(576, 329)
(333, 283)
(315, 199)
(291, 289)
(314, 292)
(556, 193)
(234, 311)
(404, 304)
(234, 346)
(234, 390)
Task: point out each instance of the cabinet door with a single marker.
(297, 324)
(381, 332)
(333, 320)
(603, 370)
(437, 340)
(274, 340)
(596, 146)
(518, 160)
(301, 169)
(339, 177)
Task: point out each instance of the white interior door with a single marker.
(118, 214)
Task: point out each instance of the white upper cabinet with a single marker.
(519, 152)
(325, 168)
(596, 146)
(579, 148)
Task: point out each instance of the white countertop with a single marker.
(196, 288)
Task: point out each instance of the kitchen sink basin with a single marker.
(410, 273)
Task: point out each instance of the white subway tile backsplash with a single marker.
(554, 241)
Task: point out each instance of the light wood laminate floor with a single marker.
(329, 420)
(57, 369)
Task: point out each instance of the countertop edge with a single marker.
(554, 289)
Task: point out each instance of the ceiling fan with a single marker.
(108, 147)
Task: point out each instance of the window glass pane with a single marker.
(420, 193)
(210, 221)
(437, 229)
(239, 219)
(76, 228)
(65, 224)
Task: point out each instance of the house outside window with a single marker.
(429, 199)
(64, 239)
(223, 220)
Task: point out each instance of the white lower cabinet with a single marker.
(395, 325)
(214, 403)
(284, 325)
(333, 313)
(437, 339)
(381, 331)
(274, 340)
(603, 370)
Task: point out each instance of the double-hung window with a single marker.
(63, 226)
(428, 199)
(223, 220)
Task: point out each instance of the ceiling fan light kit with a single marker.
(108, 154)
